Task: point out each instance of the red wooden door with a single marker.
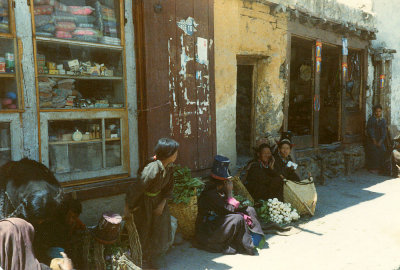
(176, 89)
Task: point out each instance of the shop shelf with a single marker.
(7, 75)
(75, 43)
(82, 77)
(75, 142)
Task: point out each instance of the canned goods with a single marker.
(2, 65)
(10, 62)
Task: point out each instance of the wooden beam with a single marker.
(343, 96)
(317, 82)
(287, 92)
(325, 36)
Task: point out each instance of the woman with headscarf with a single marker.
(222, 226)
(262, 181)
(147, 200)
(376, 134)
(16, 250)
(284, 165)
(29, 190)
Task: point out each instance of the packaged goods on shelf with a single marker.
(9, 101)
(43, 10)
(60, 16)
(65, 26)
(81, 10)
(2, 65)
(107, 22)
(41, 20)
(110, 40)
(7, 63)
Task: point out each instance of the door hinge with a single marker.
(13, 4)
(28, 2)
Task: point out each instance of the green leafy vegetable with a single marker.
(243, 201)
(185, 185)
(263, 211)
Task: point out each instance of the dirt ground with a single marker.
(356, 226)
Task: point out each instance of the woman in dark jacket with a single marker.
(222, 226)
(147, 199)
(376, 131)
(284, 165)
(262, 181)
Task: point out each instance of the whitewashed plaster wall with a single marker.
(388, 22)
(132, 90)
(29, 117)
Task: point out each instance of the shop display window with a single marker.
(9, 94)
(84, 145)
(4, 16)
(5, 143)
(72, 76)
(80, 20)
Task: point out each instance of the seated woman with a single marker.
(376, 134)
(262, 181)
(284, 165)
(29, 190)
(221, 225)
(16, 247)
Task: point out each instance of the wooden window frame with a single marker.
(44, 115)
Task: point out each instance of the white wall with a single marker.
(388, 22)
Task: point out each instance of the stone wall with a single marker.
(331, 163)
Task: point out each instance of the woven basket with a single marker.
(134, 241)
(186, 215)
(301, 195)
(240, 189)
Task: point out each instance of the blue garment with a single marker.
(376, 130)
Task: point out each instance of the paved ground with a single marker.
(356, 226)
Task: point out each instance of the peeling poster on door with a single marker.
(188, 26)
(202, 47)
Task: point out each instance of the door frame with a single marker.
(242, 60)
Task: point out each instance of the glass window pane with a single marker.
(113, 142)
(74, 76)
(5, 143)
(75, 145)
(4, 17)
(8, 83)
(85, 156)
(113, 154)
(81, 20)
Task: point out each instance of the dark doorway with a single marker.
(330, 89)
(301, 87)
(244, 105)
